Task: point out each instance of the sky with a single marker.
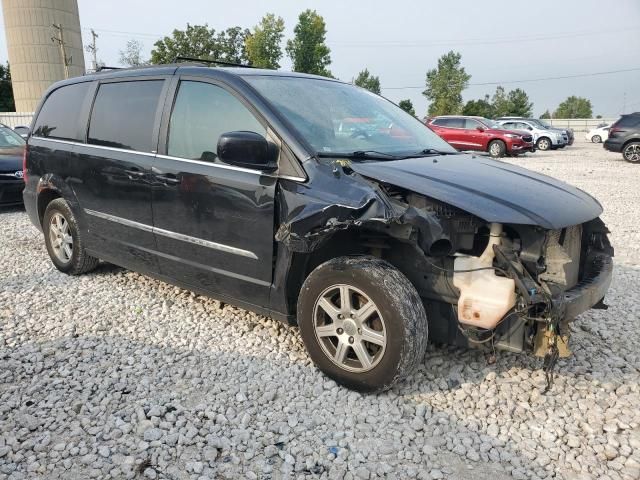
(399, 41)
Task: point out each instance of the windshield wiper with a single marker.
(364, 154)
(432, 151)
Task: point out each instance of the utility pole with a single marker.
(59, 38)
(93, 50)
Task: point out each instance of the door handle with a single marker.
(134, 174)
(168, 179)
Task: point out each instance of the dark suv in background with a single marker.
(11, 156)
(258, 188)
(624, 136)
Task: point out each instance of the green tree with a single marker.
(232, 45)
(479, 108)
(546, 114)
(519, 104)
(407, 106)
(307, 49)
(500, 102)
(263, 44)
(131, 56)
(445, 85)
(368, 81)
(200, 41)
(7, 103)
(574, 107)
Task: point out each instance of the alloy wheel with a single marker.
(596, 139)
(349, 328)
(495, 150)
(543, 144)
(60, 238)
(632, 153)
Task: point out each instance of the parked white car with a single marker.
(598, 135)
(542, 138)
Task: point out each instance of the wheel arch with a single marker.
(356, 241)
(51, 187)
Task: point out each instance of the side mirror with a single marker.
(480, 129)
(248, 150)
(529, 128)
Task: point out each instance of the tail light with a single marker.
(24, 164)
(613, 131)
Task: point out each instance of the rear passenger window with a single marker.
(202, 112)
(124, 115)
(60, 114)
(628, 121)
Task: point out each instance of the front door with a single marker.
(114, 188)
(214, 223)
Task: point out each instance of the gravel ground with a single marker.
(114, 375)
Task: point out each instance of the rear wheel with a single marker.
(543, 144)
(63, 240)
(596, 139)
(631, 152)
(363, 322)
(497, 148)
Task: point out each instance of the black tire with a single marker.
(631, 152)
(80, 261)
(496, 148)
(544, 144)
(596, 139)
(396, 300)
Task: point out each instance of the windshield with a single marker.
(9, 138)
(337, 118)
(492, 123)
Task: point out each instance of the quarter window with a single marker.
(124, 115)
(60, 116)
(201, 114)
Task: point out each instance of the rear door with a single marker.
(474, 138)
(214, 222)
(445, 128)
(114, 182)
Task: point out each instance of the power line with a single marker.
(482, 41)
(505, 82)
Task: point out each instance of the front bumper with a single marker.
(11, 191)
(592, 289)
(521, 147)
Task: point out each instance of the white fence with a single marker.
(579, 124)
(15, 119)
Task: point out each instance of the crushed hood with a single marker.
(492, 190)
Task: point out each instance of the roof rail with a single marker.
(105, 67)
(180, 58)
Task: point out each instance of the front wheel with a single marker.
(543, 144)
(363, 322)
(497, 148)
(596, 139)
(631, 152)
(63, 240)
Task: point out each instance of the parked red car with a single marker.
(481, 134)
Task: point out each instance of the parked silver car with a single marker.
(544, 139)
(567, 133)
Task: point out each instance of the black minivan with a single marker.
(315, 202)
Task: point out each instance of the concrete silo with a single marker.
(36, 59)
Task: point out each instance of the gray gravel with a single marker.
(114, 375)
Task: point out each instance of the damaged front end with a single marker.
(484, 282)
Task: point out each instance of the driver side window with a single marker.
(201, 114)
